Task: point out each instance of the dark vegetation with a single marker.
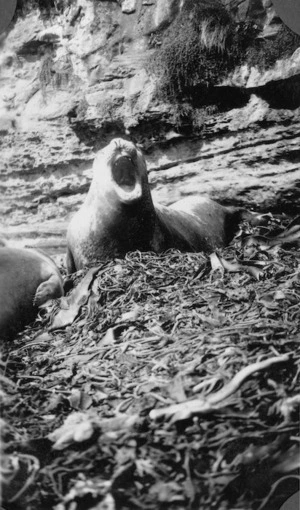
(45, 6)
(263, 53)
(200, 47)
(203, 45)
(153, 332)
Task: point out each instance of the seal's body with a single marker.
(28, 278)
(119, 216)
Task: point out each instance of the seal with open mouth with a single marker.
(119, 216)
(28, 278)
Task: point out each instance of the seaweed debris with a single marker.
(88, 419)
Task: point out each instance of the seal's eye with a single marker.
(123, 172)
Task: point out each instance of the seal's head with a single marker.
(120, 167)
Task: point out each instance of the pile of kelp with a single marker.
(161, 381)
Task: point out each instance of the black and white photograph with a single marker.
(149, 254)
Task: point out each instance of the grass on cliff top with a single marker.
(264, 53)
(204, 44)
(156, 331)
(199, 48)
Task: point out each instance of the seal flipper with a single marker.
(50, 289)
(71, 268)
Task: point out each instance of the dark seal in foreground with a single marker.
(28, 278)
(119, 216)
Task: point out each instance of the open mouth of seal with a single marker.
(125, 177)
(124, 173)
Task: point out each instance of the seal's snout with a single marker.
(118, 147)
(124, 173)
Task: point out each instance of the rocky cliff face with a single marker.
(79, 76)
